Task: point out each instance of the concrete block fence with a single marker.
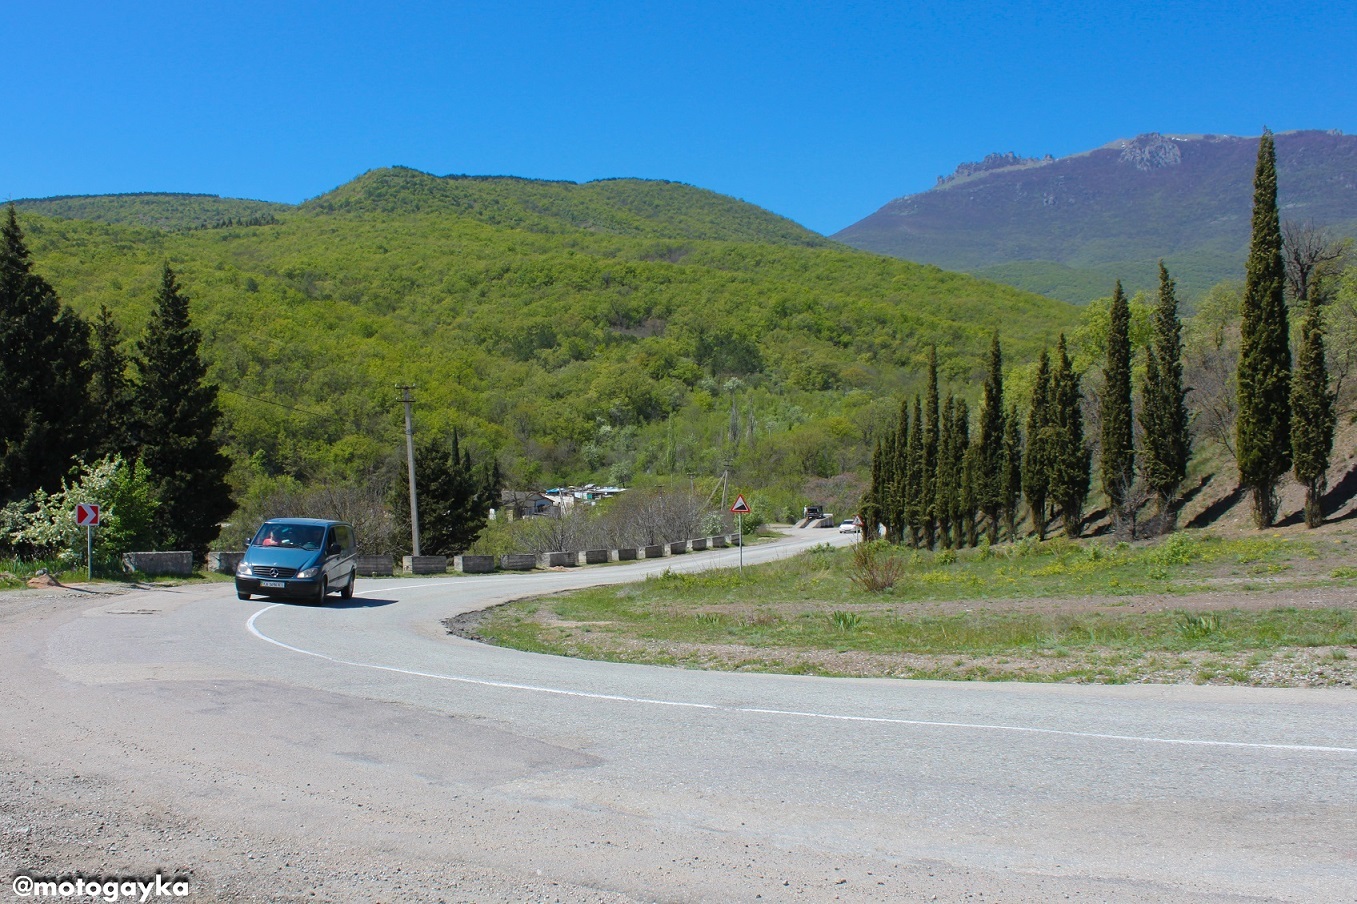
(173, 563)
(224, 562)
(375, 566)
(384, 565)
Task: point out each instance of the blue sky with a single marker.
(819, 112)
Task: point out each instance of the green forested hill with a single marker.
(168, 211)
(578, 332)
(634, 207)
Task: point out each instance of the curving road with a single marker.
(356, 753)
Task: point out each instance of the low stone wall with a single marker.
(593, 557)
(176, 563)
(473, 564)
(224, 562)
(623, 555)
(556, 559)
(424, 564)
(699, 544)
(653, 552)
(375, 566)
(678, 547)
(719, 543)
(518, 562)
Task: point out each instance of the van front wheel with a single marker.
(347, 592)
(323, 592)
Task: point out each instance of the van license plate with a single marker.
(276, 585)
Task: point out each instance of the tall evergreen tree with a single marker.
(454, 497)
(871, 504)
(899, 473)
(969, 478)
(1070, 456)
(1011, 485)
(1037, 462)
(111, 420)
(1263, 426)
(1163, 413)
(890, 516)
(44, 375)
(944, 481)
(1313, 419)
(916, 507)
(1118, 435)
(178, 417)
(932, 431)
(990, 467)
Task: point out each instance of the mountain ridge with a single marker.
(626, 206)
(1114, 211)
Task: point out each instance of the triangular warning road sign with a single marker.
(740, 507)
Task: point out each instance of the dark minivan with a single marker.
(299, 558)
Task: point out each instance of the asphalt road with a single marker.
(357, 752)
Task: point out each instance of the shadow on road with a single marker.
(357, 602)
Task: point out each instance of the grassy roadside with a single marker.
(15, 573)
(1272, 609)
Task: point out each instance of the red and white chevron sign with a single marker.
(87, 515)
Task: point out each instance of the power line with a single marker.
(267, 402)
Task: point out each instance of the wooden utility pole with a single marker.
(408, 400)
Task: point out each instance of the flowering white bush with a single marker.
(45, 522)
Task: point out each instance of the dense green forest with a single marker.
(621, 331)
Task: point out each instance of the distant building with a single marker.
(515, 504)
(590, 494)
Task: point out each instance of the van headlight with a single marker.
(243, 570)
(309, 572)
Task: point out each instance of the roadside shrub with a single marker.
(1198, 625)
(875, 567)
(845, 621)
(43, 525)
(1178, 549)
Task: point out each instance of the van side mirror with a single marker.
(332, 549)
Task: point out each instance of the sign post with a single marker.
(739, 510)
(87, 516)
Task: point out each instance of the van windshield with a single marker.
(289, 536)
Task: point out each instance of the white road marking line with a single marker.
(749, 710)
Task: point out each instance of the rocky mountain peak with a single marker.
(1151, 151)
(991, 163)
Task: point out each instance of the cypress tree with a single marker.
(889, 515)
(1070, 455)
(111, 419)
(454, 500)
(944, 487)
(928, 489)
(1037, 463)
(1313, 418)
(1118, 438)
(899, 473)
(1263, 427)
(969, 478)
(915, 505)
(871, 506)
(1011, 485)
(1163, 414)
(990, 467)
(178, 418)
(44, 375)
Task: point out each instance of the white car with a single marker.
(848, 527)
